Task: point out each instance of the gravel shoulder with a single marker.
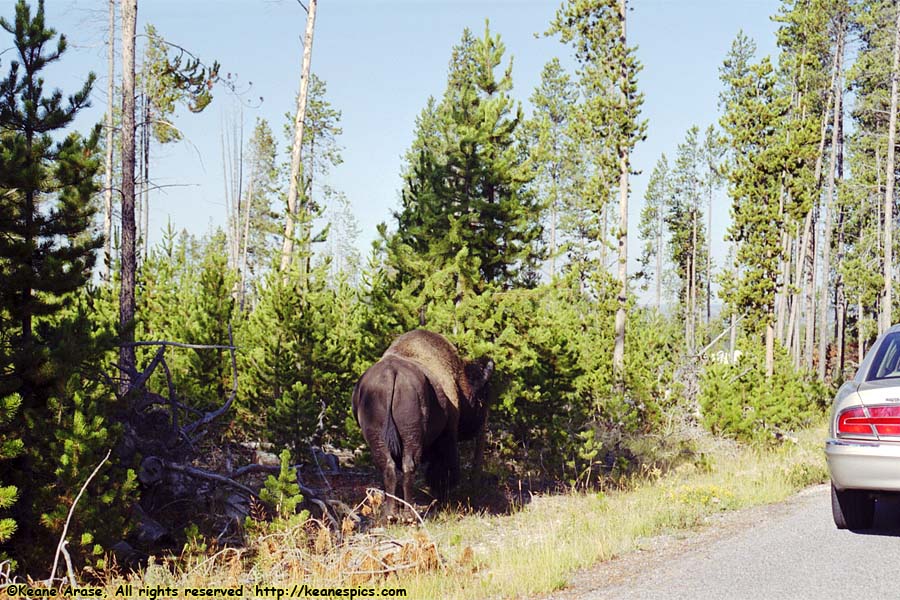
(785, 550)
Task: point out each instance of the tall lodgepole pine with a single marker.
(608, 71)
(829, 207)
(126, 295)
(287, 248)
(887, 303)
(110, 138)
(804, 271)
(622, 234)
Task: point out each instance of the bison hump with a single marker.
(438, 358)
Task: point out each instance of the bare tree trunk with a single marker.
(859, 337)
(126, 296)
(828, 206)
(554, 206)
(841, 319)
(781, 298)
(110, 140)
(604, 233)
(809, 350)
(888, 303)
(246, 240)
(146, 186)
(732, 341)
(139, 132)
(840, 294)
(692, 315)
(659, 248)
(238, 188)
(622, 234)
(553, 240)
(287, 248)
(770, 347)
(228, 186)
(709, 257)
(794, 318)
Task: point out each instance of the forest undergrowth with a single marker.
(460, 552)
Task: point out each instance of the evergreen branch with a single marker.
(307, 492)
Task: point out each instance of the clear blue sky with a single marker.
(381, 59)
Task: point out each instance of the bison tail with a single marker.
(391, 435)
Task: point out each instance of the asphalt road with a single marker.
(787, 550)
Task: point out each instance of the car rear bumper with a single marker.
(863, 465)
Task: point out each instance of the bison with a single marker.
(415, 404)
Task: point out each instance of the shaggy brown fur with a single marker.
(415, 404)
(439, 358)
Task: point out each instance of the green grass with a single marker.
(537, 549)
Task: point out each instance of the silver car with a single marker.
(863, 447)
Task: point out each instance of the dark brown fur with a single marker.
(413, 406)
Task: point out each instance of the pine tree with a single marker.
(321, 152)
(548, 135)
(809, 37)
(711, 154)
(260, 221)
(466, 190)
(47, 252)
(684, 220)
(610, 112)
(11, 446)
(211, 309)
(340, 246)
(873, 23)
(754, 113)
(652, 227)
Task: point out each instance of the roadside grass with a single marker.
(534, 550)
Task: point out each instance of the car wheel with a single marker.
(852, 509)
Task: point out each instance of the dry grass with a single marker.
(531, 551)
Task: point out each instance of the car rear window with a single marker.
(886, 364)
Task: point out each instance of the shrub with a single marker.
(739, 401)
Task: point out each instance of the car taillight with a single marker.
(856, 421)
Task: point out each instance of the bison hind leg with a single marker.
(390, 475)
(409, 477)
(442, 473)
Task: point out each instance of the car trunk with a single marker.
(882, 391)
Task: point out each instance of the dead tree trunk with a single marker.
(809, 350)
(692, 310)
(840, 295)
(145, 155)
(287, 248)
(126, 295)
(110, 137)
(660, 224)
